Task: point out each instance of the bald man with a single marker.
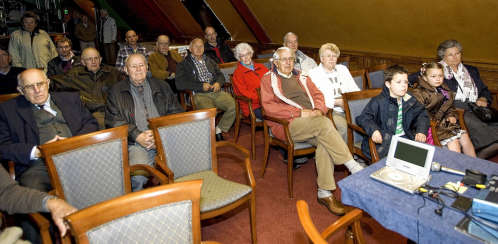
(302, 63)
(163, 61)
(216, 48)
(199, 73)
(132, 46)
(92, 80)
(134, 100)
(38, 117)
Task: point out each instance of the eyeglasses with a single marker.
(38, 85)
(64, 47)
(289, 59)
(92, 59)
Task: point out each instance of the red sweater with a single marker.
(245, 82)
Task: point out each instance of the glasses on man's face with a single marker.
(64, 47)
(32, 87)
(94, 59)
(287, 60)
(137, 66)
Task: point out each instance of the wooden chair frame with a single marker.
(10, 164)
(250, 120)
(363, 74)
(162, 161)
(373, 69)
(75, 142)
(84, 220)
(461, 120)
(369, 93)
(350, 220)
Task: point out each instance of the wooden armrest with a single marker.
(243, 98)
(329, 115)
(162, 166)
(210, 242)
(276, 120)
(346, 220)
(12, 169)
(461, 118)
(43, 225)
(161, 177)
(247, 162)
(358, 129)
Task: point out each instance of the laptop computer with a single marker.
(408, 165)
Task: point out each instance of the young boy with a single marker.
(383, 117)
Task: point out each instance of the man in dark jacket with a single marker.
(134, 100)
(65, 61)
(217, 49)
(38, 117)
(199, 73)
(92, 80)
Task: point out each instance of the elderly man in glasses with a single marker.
(66, 59)
(92, 80)
(35, 118)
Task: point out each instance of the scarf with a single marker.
(467, 90)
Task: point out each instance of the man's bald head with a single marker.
(162, 44)
(136, 68)
(33, 84)
(90, 58)
(197, 48)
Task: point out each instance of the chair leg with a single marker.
(253, 140)
(252, 216)
(267, 152)
(290, 164)
(237, 128)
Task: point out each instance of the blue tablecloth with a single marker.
(398, 211)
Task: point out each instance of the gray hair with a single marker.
(288, 34)
(276, 54)
(135, 55)
(242, 48)
(441, 49)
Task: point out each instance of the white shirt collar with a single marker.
(284, 75)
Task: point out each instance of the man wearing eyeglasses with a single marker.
(66, 59)
(35, 118)
(92, 80)
(288, 95)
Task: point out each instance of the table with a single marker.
(399, 211)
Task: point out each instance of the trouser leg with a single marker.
(140, 155)
(341, 125)
(330, 150)
(225, 102)
(36, 177)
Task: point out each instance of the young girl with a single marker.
(438, 100)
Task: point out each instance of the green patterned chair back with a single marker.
(90, 173)
(168, 223)
(187, 146)
(163, 214)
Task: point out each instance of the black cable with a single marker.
(418, 217)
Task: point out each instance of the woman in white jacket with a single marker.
(333, 80)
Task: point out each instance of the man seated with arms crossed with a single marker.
(65, 61)
(199, 73)
(286, 94)
(38, 117)
(132, 46)
(92, 80)
(302, 63)
(216, 48)
(163, 62)
(134, 100)
(18, 199)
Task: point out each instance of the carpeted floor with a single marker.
(276, 215)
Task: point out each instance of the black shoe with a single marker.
(219, 137)
(298, 162)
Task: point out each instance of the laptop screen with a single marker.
(411, 154)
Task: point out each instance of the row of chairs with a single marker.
(92, 168)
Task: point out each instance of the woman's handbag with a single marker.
(485, 114)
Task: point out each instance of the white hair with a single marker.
(242, 48)
(276, 54)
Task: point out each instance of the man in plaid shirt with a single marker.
(131, 47)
